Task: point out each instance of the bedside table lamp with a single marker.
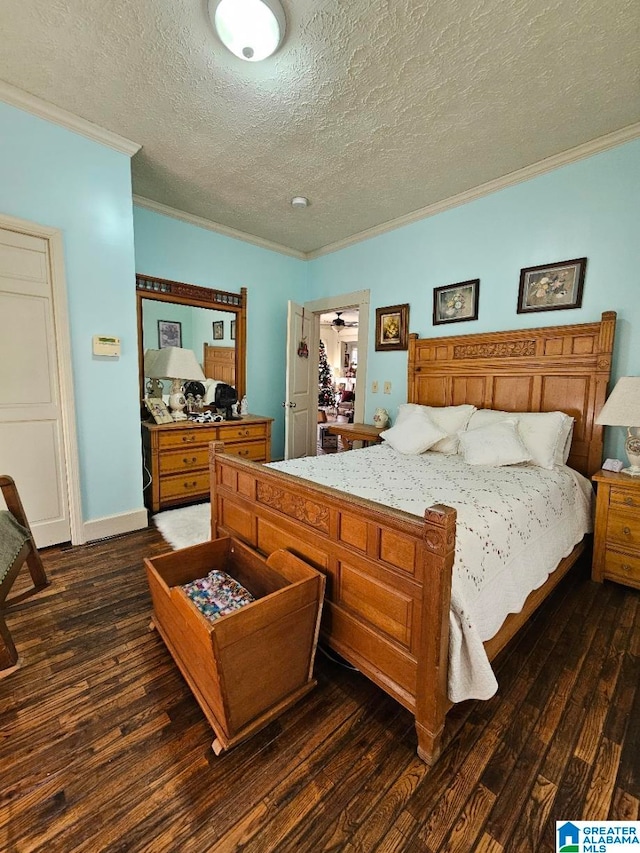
(623, 409)
(179, 365)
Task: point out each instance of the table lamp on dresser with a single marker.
(623, 409)
(179, 365)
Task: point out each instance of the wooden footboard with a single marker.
(388, 576)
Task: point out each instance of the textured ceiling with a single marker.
(371, 108)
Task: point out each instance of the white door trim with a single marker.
(357, 299)
(53, 236)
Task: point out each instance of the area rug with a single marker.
(186, 526)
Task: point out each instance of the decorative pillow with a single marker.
(544, 433)
(494, 444)
(451, 419)
(414, 434)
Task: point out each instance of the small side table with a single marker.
(616, 540)
(366, 433)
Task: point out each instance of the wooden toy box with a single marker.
(247, 667)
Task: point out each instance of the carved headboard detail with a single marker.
(564, 368)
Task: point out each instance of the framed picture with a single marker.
(233, 330)
(169, 333)
(551, 287)
(456, 303)
(392, 327)
(218, 330)
(158, 410)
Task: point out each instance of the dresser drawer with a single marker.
(185, 459)
(184, 485)
(624, 568)
(623, 497)
(187, 437)
(623, 529)
(254, 450)
(240, 432)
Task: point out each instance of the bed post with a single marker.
(432, 701)
(603, 374)
(214, 447)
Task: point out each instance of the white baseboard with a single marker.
(114, 525)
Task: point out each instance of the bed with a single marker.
(220, 363)
(389, 573)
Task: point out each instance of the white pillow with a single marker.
(494, 444)
(563, 448)
(451, 419)
(415, 433)
(544, 433)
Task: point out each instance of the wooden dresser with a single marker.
(616, 542)
(176, 456)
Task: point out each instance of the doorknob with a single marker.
(290, 405)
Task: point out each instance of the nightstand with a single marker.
(616, 541)
(366, 433)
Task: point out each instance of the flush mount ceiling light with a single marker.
(299, 202)
(250, 29)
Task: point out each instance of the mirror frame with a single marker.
(165, 290)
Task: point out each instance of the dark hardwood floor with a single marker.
(102, 746)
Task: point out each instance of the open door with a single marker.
(299, 408)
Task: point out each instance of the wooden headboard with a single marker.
(564, 368)
(220, 363)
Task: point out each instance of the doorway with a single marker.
(357, 301)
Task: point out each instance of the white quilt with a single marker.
(515, 524)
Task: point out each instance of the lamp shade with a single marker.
(172, 363)
(623, 406)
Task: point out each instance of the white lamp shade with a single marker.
(172, 363)
(250, 29)
(623, 406)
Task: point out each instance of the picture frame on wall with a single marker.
(392, 327)
(552, 287)
(233, 330)
(218, 330)
(456, 303)
(169, 333)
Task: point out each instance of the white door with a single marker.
(31, 439)
(298, 409)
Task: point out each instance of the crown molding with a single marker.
(43, 109)
(201, 222)
(572, 155)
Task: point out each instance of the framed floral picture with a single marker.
(392, 327)
(456, 303)
(218, 330)
(169, 334)
(551, 287)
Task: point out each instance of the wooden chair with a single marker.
(28, 553)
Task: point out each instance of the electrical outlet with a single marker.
(387, 387)
(374, 387)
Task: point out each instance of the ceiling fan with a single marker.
(338, 323)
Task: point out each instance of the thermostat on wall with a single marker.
(104, 345)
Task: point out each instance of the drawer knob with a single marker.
(189, 485)
(626, 567)
(189, 461)
(628, 501)
(626, 531)
(188, 439)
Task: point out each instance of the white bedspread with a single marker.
(514, 526)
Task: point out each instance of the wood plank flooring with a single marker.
(102, 746)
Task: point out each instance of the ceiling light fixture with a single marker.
(299, 202)
(250, 29)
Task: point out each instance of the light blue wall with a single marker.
(173, 249)
(54, 177)
(590, 208)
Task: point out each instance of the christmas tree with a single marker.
(326, 397)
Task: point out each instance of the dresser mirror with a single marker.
(210, 322)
